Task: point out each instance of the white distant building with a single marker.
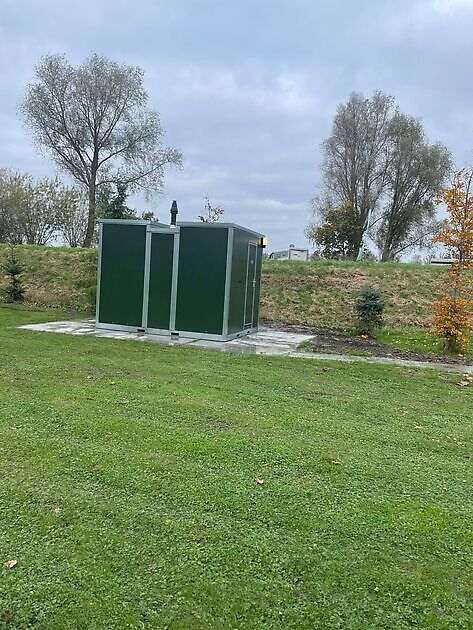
(442, 261)
(291, 253)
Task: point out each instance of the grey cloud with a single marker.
(247, 90)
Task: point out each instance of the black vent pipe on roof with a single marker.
(174, 212)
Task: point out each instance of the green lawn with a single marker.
(415, 339)
(128, 493)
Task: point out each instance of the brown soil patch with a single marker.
(337, 342)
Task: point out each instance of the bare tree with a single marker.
(415, 175)
(72, 218)
(356, 156)
(378, 163)
(212, 213)
(13, 201)
(30, 210)
(419, 238)
(39, 217)
(95, 122)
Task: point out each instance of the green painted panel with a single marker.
(259, 260)
(201, 280)
(122, 274)
(250, 284)
(236, 314)
(236, 309)
(160, 280)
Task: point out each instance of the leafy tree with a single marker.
(335, 233)
(72, 218)
(113, 205)
(369, 308)
(39, 217)
(13, 269)
(212, 214)
(355, 157)
(379, 161)
(415, 174)
(13, 201)
(453, 312)
(30, 209)
(94, 121)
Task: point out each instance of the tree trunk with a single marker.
(357, 241)
(386, 254)
(450, 346)
(89, 235)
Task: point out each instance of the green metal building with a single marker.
(197, 280)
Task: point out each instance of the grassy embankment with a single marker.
(321, 294)
(313, 294)
(128, 492)
(57, 277)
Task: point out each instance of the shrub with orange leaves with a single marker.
(453, 312)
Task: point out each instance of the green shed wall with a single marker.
(160, 280)
(122, 274)
(201, 279)
(236, 310)
(259, 262)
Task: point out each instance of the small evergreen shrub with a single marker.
(13, 269)
(369, 308)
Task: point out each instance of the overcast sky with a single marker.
(247, 89)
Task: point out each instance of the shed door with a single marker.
(160, 280)
(250, 284)
(121, 275)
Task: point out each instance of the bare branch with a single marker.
(94, 121)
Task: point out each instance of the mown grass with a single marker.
(414, 339)
(409, 339)
(128, 493)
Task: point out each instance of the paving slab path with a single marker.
(266, 341)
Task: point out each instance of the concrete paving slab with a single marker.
(349, 358)
(266, 341)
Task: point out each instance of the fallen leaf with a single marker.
(57, 510)
(9, 564)
(260, 482)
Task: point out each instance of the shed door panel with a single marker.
(201, 280)
(160, 280)
(250, 284)
(259, 260)
(122, 274)
(236, 314)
